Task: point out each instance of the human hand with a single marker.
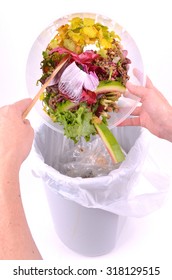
(16, 134)
(155, 113)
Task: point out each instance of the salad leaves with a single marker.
(76, 101)
(77, 124)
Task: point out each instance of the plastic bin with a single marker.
(87, 230)
(89, 213)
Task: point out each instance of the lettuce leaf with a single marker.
(76, 123)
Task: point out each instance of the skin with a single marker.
(16, 242)
(155, 113)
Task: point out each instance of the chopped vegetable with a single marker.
(89, 86)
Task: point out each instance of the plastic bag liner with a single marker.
(89, 213)
(138, 187)
(86, 159)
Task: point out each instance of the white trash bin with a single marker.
(89, 213)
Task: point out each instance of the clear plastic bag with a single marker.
(86, 159)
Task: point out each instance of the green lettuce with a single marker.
(77, 123)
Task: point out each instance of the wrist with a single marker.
(9, 157)
(9, 169)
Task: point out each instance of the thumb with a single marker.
(22, 105)
(149, 83)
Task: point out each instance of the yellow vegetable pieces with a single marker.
(80, 32)
(90, 31)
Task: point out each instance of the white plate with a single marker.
(33, 71)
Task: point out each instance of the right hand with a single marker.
(155, 113)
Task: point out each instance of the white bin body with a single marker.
(88, 231)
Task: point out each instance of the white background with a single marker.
(145, 241)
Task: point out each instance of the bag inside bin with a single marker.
(137, 187)
(86, 159)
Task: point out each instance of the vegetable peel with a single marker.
(110, 86)
(109, 140)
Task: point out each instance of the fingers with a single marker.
(22, 105)
(149, 83)
(128, 94)
(136, 90)
(139, 75)
(140, 91)
(131, 122)
(136, 111)
(27, 122)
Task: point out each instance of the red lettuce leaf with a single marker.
(88, 96)
(84, 58)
